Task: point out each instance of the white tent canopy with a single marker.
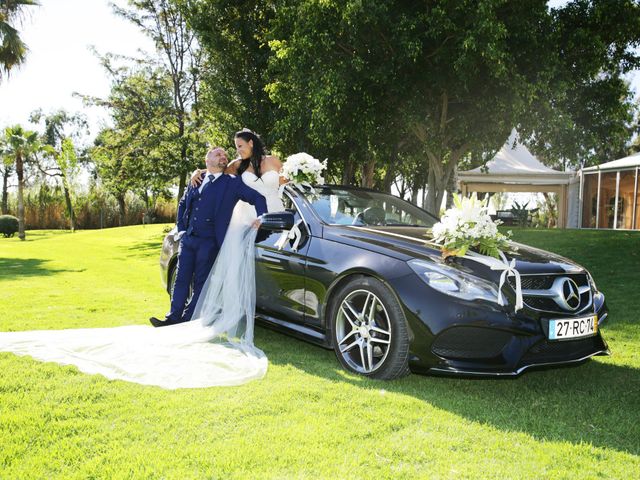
(514, 163)
(515, 169)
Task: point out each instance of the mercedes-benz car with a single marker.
(362, 278)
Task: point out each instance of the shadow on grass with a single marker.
(149, 248)
(12, 268)
(594, 402)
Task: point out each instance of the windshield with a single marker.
(340, 206)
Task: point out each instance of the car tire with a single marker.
(369, 330)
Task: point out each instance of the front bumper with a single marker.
(453, 337)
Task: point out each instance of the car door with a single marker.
(280, 272)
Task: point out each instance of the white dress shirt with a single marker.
(206, 180)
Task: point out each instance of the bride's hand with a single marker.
(196, 177)
(256, 223)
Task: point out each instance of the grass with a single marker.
(307, 418)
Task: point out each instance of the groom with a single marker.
(204, 213)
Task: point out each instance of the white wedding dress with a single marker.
(214, 349)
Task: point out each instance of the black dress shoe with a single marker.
(161, 323)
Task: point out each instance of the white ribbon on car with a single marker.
(508, 269)
(297, 185)
(294, 234)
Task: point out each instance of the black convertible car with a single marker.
(363, 281)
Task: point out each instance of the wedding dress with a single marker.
(214, 349)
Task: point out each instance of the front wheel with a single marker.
(369, 330)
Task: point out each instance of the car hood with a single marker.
(406, 243)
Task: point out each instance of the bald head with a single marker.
(216, 160)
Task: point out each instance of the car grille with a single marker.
(470, 343)
(546, 351)
(545, 282)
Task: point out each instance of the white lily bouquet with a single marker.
(302, 169)
(467, 230)
(468, 226)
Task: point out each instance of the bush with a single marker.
(8, 225)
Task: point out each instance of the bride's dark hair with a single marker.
(257, 153)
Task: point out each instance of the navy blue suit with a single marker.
(205, 218)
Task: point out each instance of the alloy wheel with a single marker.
(363, 331)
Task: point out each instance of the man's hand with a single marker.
(178, 235)
(256, 223)
(196, 177)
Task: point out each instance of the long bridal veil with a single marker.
(214, 349)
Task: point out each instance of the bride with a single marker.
(216, 347)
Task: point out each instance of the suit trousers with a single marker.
(195, 259)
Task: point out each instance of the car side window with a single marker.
(290, 206)
(288, 203)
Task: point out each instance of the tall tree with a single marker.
(165, 24)
(13, 50)
(138, 153)
(456, 76)
(333, 73)
(587, 116)
(20, 147)
(6, 170)
(60, 130)
(234, 38)
(109, 155)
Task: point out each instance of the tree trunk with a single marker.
(552, 219)
(390, 173)
(182, 183)
(440, 173)
(347, 173)
(402, 191)
(5, 192)
(20, 173)
(368, 172)
(414, 195)
(452, 187)
(121, 210)
(67, 200)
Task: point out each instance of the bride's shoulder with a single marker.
(271, 162)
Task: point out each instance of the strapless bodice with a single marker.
(267, 185)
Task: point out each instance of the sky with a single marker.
(59, 34)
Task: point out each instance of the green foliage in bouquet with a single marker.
(467, 226)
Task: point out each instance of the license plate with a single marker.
(573, 327)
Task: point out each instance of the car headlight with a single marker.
(454, 282)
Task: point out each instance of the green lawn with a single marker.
(307, 418)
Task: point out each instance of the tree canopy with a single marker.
(13, 50)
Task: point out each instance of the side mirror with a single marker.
(277, 221)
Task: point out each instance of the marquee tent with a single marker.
(515, 169)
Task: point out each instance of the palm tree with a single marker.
(19, 145)
(6, 169)
(12, 49)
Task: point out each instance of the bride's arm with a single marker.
(232, 167)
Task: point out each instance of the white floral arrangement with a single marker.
(302, 169)
(468, 226)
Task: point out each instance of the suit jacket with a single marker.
(208, 214)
